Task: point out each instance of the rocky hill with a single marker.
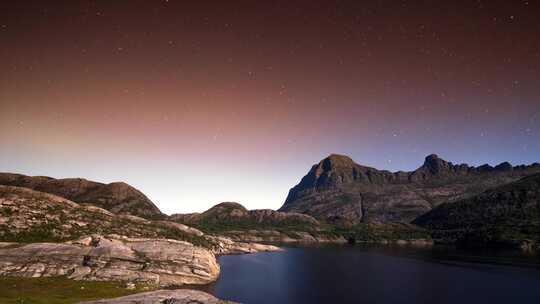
(31, 216)
(341, 191)
(235, 212)
(235, 221)
(118, 197)
(505, 214)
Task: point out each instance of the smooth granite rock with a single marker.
(114, 258)
(179, 296)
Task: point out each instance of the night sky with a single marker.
(198, 103)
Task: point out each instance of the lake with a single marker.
(366, 274)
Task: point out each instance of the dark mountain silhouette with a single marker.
(341, 191)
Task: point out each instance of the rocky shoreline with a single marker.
(47, 236)
(274, 236)
(152, 262)
(160, 262)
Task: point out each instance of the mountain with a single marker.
(508, 213)
(341, 191)
(117, 197)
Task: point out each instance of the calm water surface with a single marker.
(356, 274)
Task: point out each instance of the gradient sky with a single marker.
(200, 103)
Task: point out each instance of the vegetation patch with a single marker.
(60, 290)
(222, 227)
(383, 232)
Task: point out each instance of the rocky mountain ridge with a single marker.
(341, 191)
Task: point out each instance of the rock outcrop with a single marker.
(113, 258)
(119, 198)
(340, 191)
(179, 296)
(225, 245)
(505, 214)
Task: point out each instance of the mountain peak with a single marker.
(230, 205)
(337, 161)
(505, 166)
(226, 210)
(435, 164)
(432, 157)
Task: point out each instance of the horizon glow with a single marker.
(196, 104)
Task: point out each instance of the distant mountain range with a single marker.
(341, 191)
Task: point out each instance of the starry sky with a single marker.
(197, 102)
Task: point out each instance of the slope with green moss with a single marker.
(60, 290)
(509, 214)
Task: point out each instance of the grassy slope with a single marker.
(58, 290)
